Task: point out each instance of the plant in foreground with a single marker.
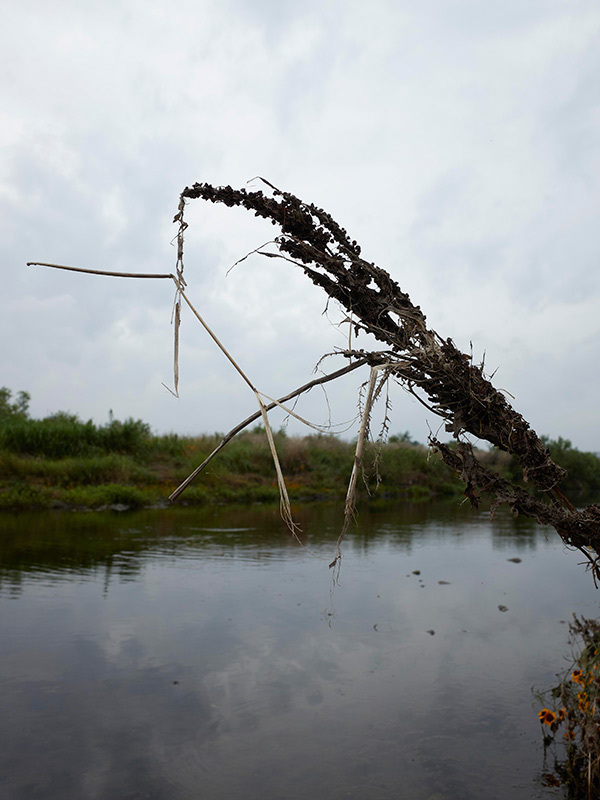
(571, 716)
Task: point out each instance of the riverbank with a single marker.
(62, 462)
(315, 468)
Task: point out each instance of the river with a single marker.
(201, 653)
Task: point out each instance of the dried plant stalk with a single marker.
(432, 368)
(357, 465)
(428, 365)
(285, 507)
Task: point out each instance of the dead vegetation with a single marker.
(427, 365)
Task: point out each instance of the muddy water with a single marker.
(176, 654)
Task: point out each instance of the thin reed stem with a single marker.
(249, 420)
(102, 271)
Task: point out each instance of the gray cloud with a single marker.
(458, 143)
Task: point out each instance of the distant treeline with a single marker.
(61, 460)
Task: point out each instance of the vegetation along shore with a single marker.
(62, 462)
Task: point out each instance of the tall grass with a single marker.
(76, 471)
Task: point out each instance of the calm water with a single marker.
(201, 654)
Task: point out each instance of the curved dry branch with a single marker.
(418, 357)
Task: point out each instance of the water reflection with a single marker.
(64, 545)
(202, 654)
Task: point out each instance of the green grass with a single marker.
(105, 495)
(61, 460)
(38, 472)
(22, 497)
(75, 471)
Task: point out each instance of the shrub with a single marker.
(64, 435)
(21, 498)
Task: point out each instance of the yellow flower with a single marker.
(546, 716)
(583, 700)
(577, 676)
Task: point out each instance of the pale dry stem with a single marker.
(285, 507)
(350, 503)
(249, 420)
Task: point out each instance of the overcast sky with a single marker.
(458, 141)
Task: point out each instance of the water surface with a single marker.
(181, 653)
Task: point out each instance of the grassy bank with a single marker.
(61, 461)
(315, 468)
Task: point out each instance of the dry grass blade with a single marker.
(292, 413)
(350, 504)
(108, 273)
(219, 344)
(285, 506)
(176, 347)
(253, 417)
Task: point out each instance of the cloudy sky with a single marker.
(458, 141)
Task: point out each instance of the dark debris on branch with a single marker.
(425, 363)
